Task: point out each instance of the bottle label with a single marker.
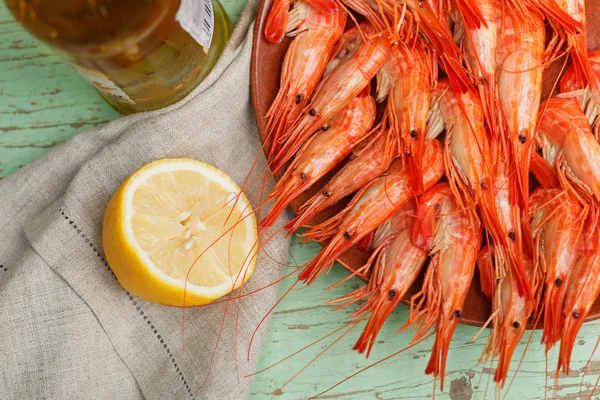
(196, 17)
(103, 84)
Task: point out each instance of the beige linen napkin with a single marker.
(68, 330)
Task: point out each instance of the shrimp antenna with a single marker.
(374, 364)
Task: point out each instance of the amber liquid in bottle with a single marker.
(135, 52)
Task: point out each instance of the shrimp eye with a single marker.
(392, 293)
(558, 282)
(324, 128)
(516, 324)
(303, 176)
(575, 314)
(299, 98)
(458, 313)
(522, 138)
(312, 112)
(347, 235)
(512, 235)
(325, 193)
(484, 81)
(413, 133)
(484, 185)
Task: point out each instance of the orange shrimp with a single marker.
(566, 133)
(469, 167)
(574, 89)
(407, 76)
(370, 163)
(519, 56)
(454, 239)
(510, 257)
(511, 312)
(396, 267)
(556, 225)
(277, 21)
(369, 208)
(303, 66)
(479, 47)
(390, 16)
(582, 292)
(356, 63)
(322, 153)
(487, 271)
(582, 71)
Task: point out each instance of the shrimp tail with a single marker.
(364, 244)
(437, 361)
(328, 7)
(543, 171)
(277, 21)
(423, 230)
(485, 265)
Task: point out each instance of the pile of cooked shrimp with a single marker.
(466, 167)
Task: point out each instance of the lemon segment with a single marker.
(173, 214)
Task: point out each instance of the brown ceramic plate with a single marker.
(266, 64)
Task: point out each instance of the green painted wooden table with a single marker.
(43, 102)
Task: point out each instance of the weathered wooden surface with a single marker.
(43, 102)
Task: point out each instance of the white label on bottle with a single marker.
(196, 17)
(103, 84)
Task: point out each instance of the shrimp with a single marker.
(479, 47)
(571, 87)
(356, 63)
(407, 76)
(390, 16)
(566, 133)
(469, 167)
(369, 208)
(397, 264)
(556, 224)
(519, 56)
(453, 238)
(487, 271)
(582, 70)
(277, 21)
(371, 162)
(303, 66)
(511, 312)
(322, 153)
(582, 291)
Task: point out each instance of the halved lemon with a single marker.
(175, 226)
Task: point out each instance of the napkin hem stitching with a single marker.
(134, 303)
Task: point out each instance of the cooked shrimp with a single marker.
(315, 35)
(371, 207)
(322, 153)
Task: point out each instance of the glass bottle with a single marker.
(140, 55)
